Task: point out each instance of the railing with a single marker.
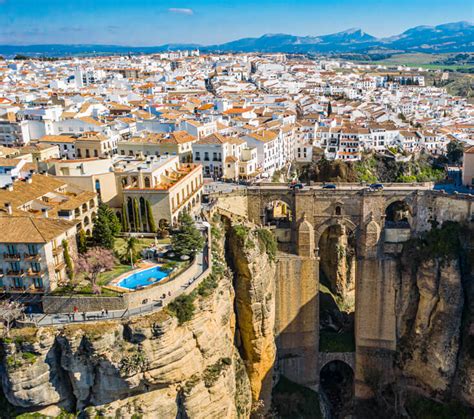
(11, 256)
(15, 272)
(29, 256)
(57, 250)
(35, 274)
(66, 318)
(59, 266)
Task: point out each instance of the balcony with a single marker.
(59, 266)
(57, 250)
(15, 272)
(35, 274)
(35, 257)
(11, 257)
(16, 289)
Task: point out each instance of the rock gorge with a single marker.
(227, 360)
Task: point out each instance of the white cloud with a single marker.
(181, 11)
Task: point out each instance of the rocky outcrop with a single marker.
(430, 302)
(255, 305)
(150, 366)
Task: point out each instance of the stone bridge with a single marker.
(365, 220)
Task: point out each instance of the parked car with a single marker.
(376, 186)
(296, 186)
(329, 186)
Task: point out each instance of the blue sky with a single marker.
(155, 22)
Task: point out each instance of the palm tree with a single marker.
(131, 248)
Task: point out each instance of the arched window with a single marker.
(338, 210)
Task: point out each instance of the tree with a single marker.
(68, 260)
(454, 152)
(130, 250)
(106, 227)
(150, 218)
(136, 214)
(9, 312)
(93, 262)
(82, 241)
(125, 224)
(187, 240)
(329, 109)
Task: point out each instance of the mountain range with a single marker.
(449, 37)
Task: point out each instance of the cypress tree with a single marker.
(329, 109)
(125, 225)
(150, 218)
(82, 242)
(136, 214)
(68, 260)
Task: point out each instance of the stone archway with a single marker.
(336, 385)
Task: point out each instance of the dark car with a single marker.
(296, 186)
(329, 186)
(376, 186)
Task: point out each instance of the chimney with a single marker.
(44, 212)
(8, 207)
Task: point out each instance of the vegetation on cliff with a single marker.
(291, 400)
(443, 242)
(375, 168)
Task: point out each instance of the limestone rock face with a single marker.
(431, 302)
(255, 308)
(31, 374)
(150, 366)
(464, 381)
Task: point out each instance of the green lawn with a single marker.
(336, 342)
(143, 243)
(85, 288)
(428, 61)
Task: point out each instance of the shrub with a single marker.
(137, 362)
(29, 357)
(182, 307)
(336, 342)
(212, 372)
(208, 285)
(424, 408)
(267, 242)
(440, 242)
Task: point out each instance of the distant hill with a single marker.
(449, 37)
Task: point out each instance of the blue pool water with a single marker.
(143, 278)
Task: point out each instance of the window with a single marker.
(35, 267)
(11, 249)
(15, 266)
(206, 156)
(38, 282)
(96, 154)
(198, 156)
(33, 249)
(18, 282)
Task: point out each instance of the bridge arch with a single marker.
(348, 224)
(398, 212)
(336, 382)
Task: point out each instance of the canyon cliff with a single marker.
(214, 365)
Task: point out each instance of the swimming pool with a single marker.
(143, 278)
